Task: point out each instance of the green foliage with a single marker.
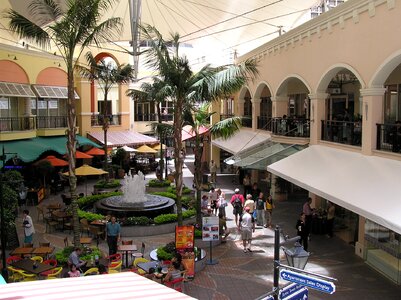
(198, 233)
(137, 221)
(89, 215)
(166, 194)
(159, 183)
(119, 157)
(10, 202)
(108, 184)
(87, 253)
(185, 190)
(163, 254)
(170, 218)
(90, 200)
(13, 179)
(187, 201)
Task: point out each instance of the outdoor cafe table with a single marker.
(121, 286)
(21, 251)
(85, 240)
(147, 265)
(43, 250)
(27, 265)
(59, 214)
(126, 249)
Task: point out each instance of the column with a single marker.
(279, 106)
(360, 245)
(372, 112)
(317, 114)
(239, 108)
(255, 112)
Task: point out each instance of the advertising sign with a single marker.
(184, 244)
(210, 229)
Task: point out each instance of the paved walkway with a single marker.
(241, 275)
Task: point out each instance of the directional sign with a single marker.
(294, 292)
(314, 283)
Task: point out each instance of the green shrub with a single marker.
(87, 253)
(185, 190)
(165, 194)
(170, 218)
(159, 183)
(89, 215)
(163, 255)
(198, 233)
(108, 184)
(188, 213)
(137, 221)
(188, 201)
(90, 200)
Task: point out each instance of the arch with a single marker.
(52, 76)
(260, 88)
(243, 91)
(12, 72)
(102, 55)
(385, 69)
(331, 72)
(281, 91)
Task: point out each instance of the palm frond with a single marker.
(226, 128)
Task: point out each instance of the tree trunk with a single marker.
(71, 148)
(198, 179)
(178, 158)
(161, 161)
(105, 128)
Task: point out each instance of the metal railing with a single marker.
(295, 127)
(265, 123)
(247, 121)
(51, 122)
(98, 120)
(17, 123)
(148, 117)
(389, 137)
(342, 132)
(223, 117)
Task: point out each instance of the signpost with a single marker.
(210, 232)
(314, 283)
(294, 292)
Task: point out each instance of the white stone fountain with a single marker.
(134, 188)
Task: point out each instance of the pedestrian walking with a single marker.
(302, 232)
(250, 203)
(260, 210)
(213, 171)
(330, 219)
(307, 210)
(29, 230)
(222, 204)
(113, 231)
(246, 226)
(269, 211)
(237, 201)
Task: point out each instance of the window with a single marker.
(8, 107)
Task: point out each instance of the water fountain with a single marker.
(135, 201)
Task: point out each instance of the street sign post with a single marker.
(314, 283)
(294, 292)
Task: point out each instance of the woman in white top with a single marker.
(29, 230)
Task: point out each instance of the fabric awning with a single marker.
(126, 285)
(12, 89)
(244, 139)
(262, 155)
(366, 185)
(188, 133)
(122, 138)
(30, 149)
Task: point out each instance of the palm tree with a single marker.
(199, 117)
(108, 74)
(186, 87)
(70, 28)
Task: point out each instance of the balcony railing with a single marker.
(291, 127)
(17, 123)
(389, 137)
(147, 117)
(265, 123)
(51, 122)
(342, 132)
(224, 117)
(98, 120)
(247, 121)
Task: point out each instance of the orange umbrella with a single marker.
(95, 151)
(79, 154)
(56, 162)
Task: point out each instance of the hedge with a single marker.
(170, 218)
(90, 200)
(165, 194)
(159, 183)
(89, 215)
(108, 184)
(137, 221)
(185, 190)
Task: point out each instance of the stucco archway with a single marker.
(385, 69)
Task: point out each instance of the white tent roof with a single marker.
(244, 139)
(239, 26)
(366, 185)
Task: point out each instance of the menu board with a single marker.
(184, 244)
(210, 228)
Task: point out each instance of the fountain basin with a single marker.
(151, 206)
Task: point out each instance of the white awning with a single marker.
(12, 89)
(244, 139)
(366, 185)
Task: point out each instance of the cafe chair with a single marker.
(115, 266)
(127, 242)
(92, 271)
(176, 284)
(114, 257)
(52, 262)
(53, 274)
(113, 271)
(39, 259)
(12, 259)
(136, 262)
(140, 253)
(97, 232)
(66, 242)
(50, 223)
(14, 274)
(27, 276)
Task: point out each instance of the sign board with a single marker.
(210, 229)
(184, 244)
(294, 292)
(312, 282)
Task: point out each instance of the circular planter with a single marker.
(199, 263)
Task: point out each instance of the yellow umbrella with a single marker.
(145, 149)
(158, 146)
(86, 170)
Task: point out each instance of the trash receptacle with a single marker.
(205, 179)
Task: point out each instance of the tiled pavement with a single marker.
(241, 275)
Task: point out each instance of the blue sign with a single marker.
(294, 292)
(314, 283)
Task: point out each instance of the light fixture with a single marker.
(57, 64)
(297, 257)
(14, 57)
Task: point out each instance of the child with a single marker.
(74, 272)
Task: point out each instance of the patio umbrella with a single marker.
(86, 170)
(95, 151)
(56, 162)
(81, 155)
(146, 149)
(158, 146)
(129, 149)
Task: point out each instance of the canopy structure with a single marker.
(123, 138)
(244, 139)
(82, 155)
(366, 185)
(126, 285)
(145, 149)
(159, 146)
(56, 162)
(95, 151)
(189, 133)
(129, 149)
(86, 170)
(30, 149)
